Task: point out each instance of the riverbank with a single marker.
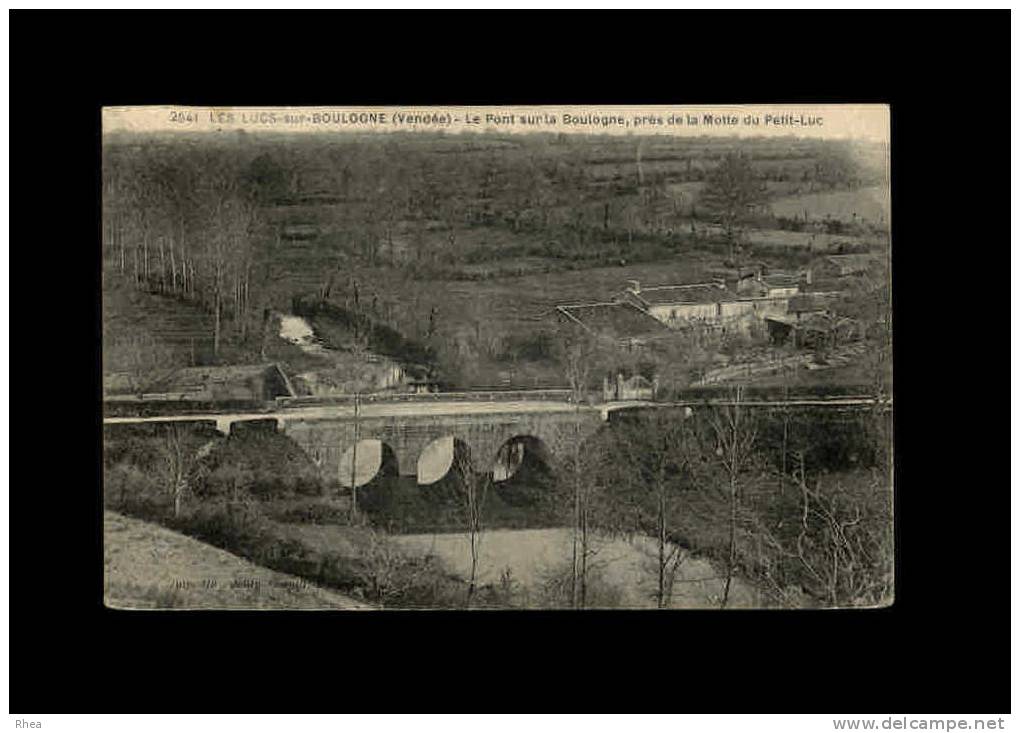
(147, 566)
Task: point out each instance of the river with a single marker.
(621, 570)
(624, 569)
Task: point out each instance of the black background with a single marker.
(943, 646)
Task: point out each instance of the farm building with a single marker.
(709, 305)
(621, 322)
(753, 282)
(780, 285)
(679, 305)
(255, 383)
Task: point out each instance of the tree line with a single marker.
(190, 227)
(761, 507)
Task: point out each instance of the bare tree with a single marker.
(353, 515)
(473, 489)
(386, 571)
(735, 435)
(178, 458)
(231, 215)
(577, 353)
(583, 496)
(649, 481)
(148, 362)
(577, 493)
(844, 544)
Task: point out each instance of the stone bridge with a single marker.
(422, 438)
(416, 439)
(424, 445)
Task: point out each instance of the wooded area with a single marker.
(241, 224)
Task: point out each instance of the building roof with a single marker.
(190, 379)
(615, 320)
(678, 294)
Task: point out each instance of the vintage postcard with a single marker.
(497, 357)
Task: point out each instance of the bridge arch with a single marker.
(516, 453)
(366, 461)
(440, 456)
(522, 470)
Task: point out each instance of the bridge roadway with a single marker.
(365, 411)
(474, 409)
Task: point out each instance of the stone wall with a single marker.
(326, 441)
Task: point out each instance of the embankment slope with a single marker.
(148, 567)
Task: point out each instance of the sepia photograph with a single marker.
(497, 358)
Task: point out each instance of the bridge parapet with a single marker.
(327, 440)
(541, 395)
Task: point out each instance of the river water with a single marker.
(623, 570)
(627, 567)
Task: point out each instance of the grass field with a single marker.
(812, 242)
(148, 566)
(860, 372)
(870, 204)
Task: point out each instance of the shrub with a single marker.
(388, 576)
(130, 490)
(264, 464)
(316, 512)
(556, 586)
(237, 525)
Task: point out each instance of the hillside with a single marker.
(149, 567)
(455, 248)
